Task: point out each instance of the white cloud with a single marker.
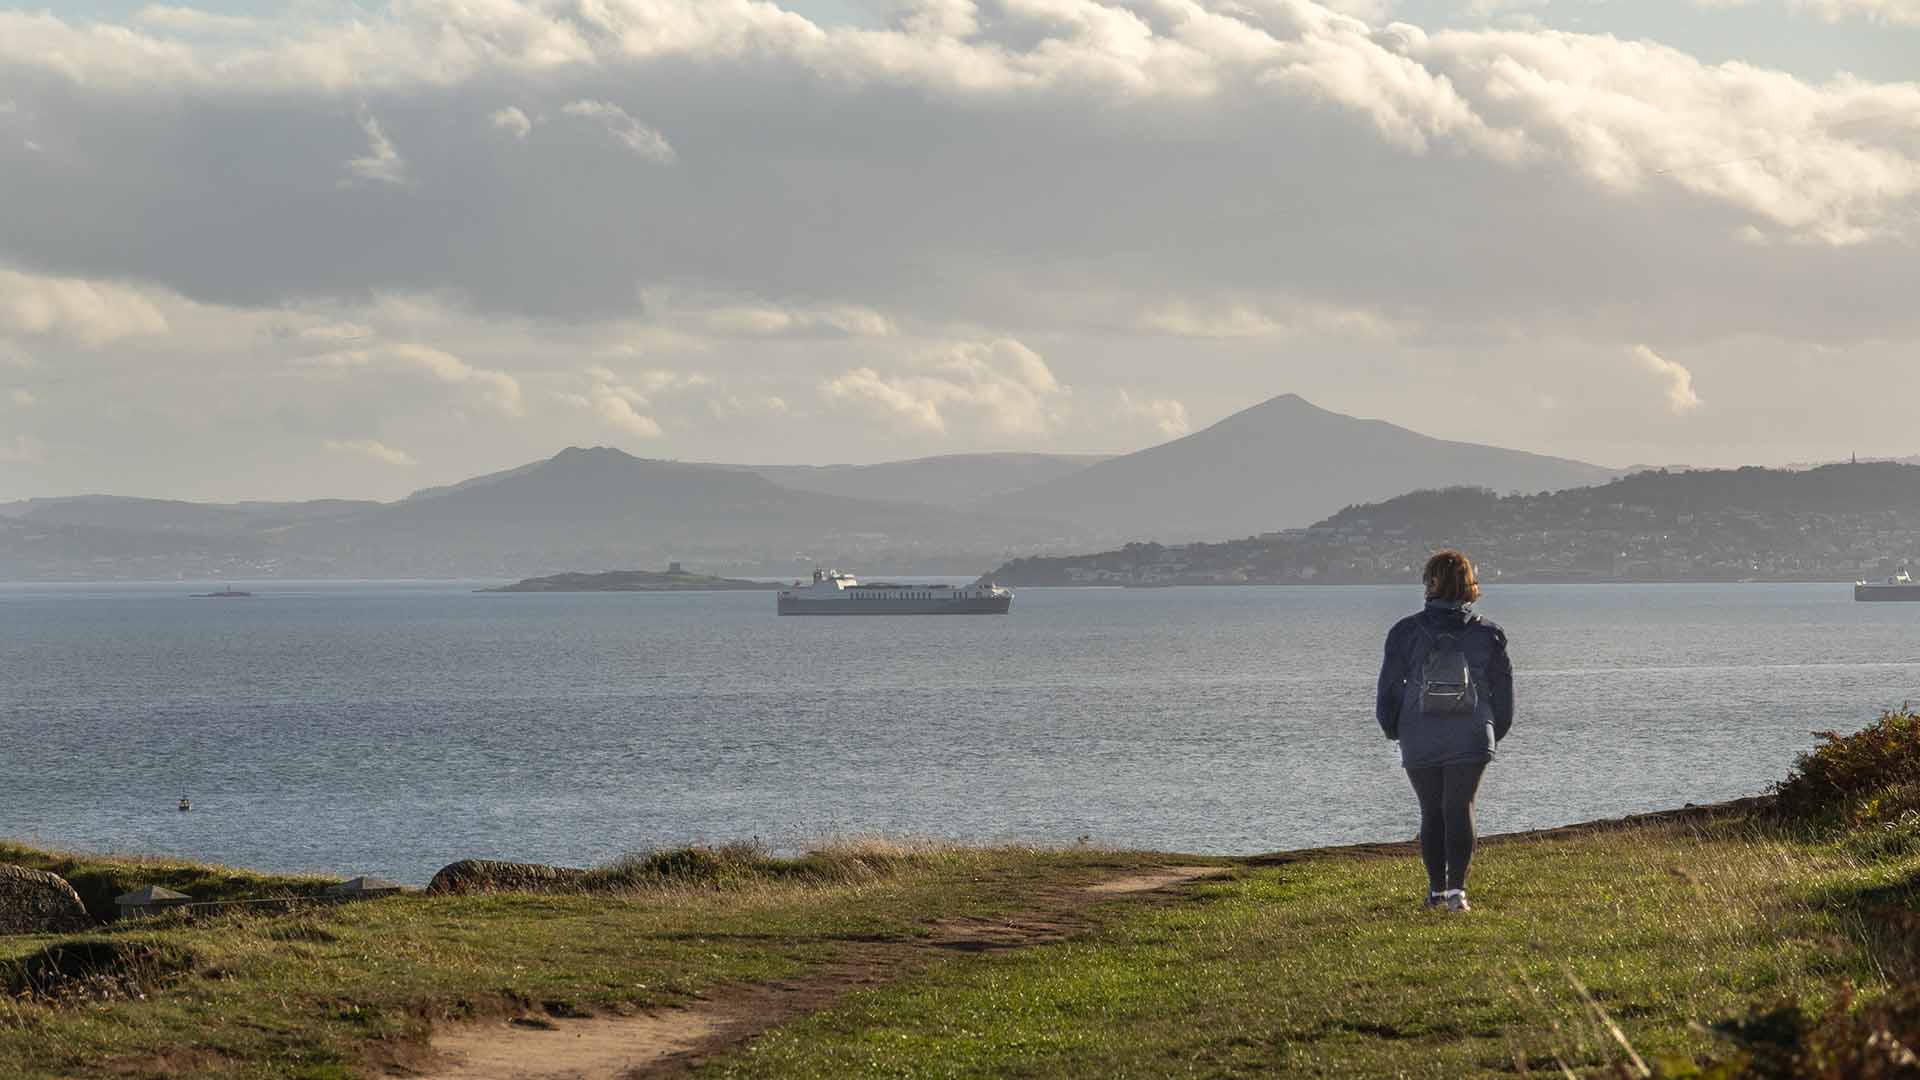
(1677, 380)
(732, 316)
(1166, 416)
(866, 387)
(23, 450)
(500, 389)
(636, 136)
(610, 405)
(937, 18)
(497, 388)
(998, 386)
(371, 448)
(617, 399)
(381, 163)
(512, 121)
(1255, 318)
(1887, 12)
(1310, 197)
(330, 332)
(87, 312)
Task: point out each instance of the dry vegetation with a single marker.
(1777, 942)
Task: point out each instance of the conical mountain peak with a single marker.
(1283, 463)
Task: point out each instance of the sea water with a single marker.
(392, 728)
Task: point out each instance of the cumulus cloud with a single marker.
(610, 405)
(1310, 191)
(371, 448)
(1244, 318)
(1166, 416)
(725, 316)
(616, 399)
(329, 333)
(512, 121)
(631, 133)
(88, 312)
(997, 386)
(497, 388)
(500, 389)
(381, 163)
(1675, 378)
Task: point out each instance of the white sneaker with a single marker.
(1456, 900)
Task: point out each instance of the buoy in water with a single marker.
(186, 804)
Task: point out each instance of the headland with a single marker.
(1765, 937)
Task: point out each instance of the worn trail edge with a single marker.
(672, 1042)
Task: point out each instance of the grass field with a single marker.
(1610, 951)
(342, 991)
(1327, 967)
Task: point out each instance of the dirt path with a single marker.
(671, 1042)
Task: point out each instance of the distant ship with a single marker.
(835, 593)
(228, 593)
(1898, 587)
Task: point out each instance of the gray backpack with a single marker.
(1447, 686)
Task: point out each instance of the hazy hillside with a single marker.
(1280, 464)
(600, 508)
(171, 515)
(948, 480)
(31, 550)
(1832, 523)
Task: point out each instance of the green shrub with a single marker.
(1879, 1040)
(1871, 777)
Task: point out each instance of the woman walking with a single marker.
(1446, 695)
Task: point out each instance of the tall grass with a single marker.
(1859, 793)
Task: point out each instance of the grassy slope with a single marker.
(100, 878)
(1318, 966)
(336, 991)
(1326, 967)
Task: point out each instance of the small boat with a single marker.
(186, 804)
(1900, 586)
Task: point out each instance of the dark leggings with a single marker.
(1446, 821)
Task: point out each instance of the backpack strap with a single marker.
(1421, 634)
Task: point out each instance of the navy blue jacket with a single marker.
(1430, 741)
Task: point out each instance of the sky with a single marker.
(280, 251)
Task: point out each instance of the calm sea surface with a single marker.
(390, 729)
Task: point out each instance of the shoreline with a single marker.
(878, 958)
(1690, 812)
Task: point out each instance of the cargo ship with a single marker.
(835, 593)
(1898, 587)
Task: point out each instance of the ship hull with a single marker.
(982, 605)
(1887, 592)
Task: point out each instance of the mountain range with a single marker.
(1281, 464)
(1841, 522)
(1277, 465)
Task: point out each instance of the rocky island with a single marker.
(672, 579)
